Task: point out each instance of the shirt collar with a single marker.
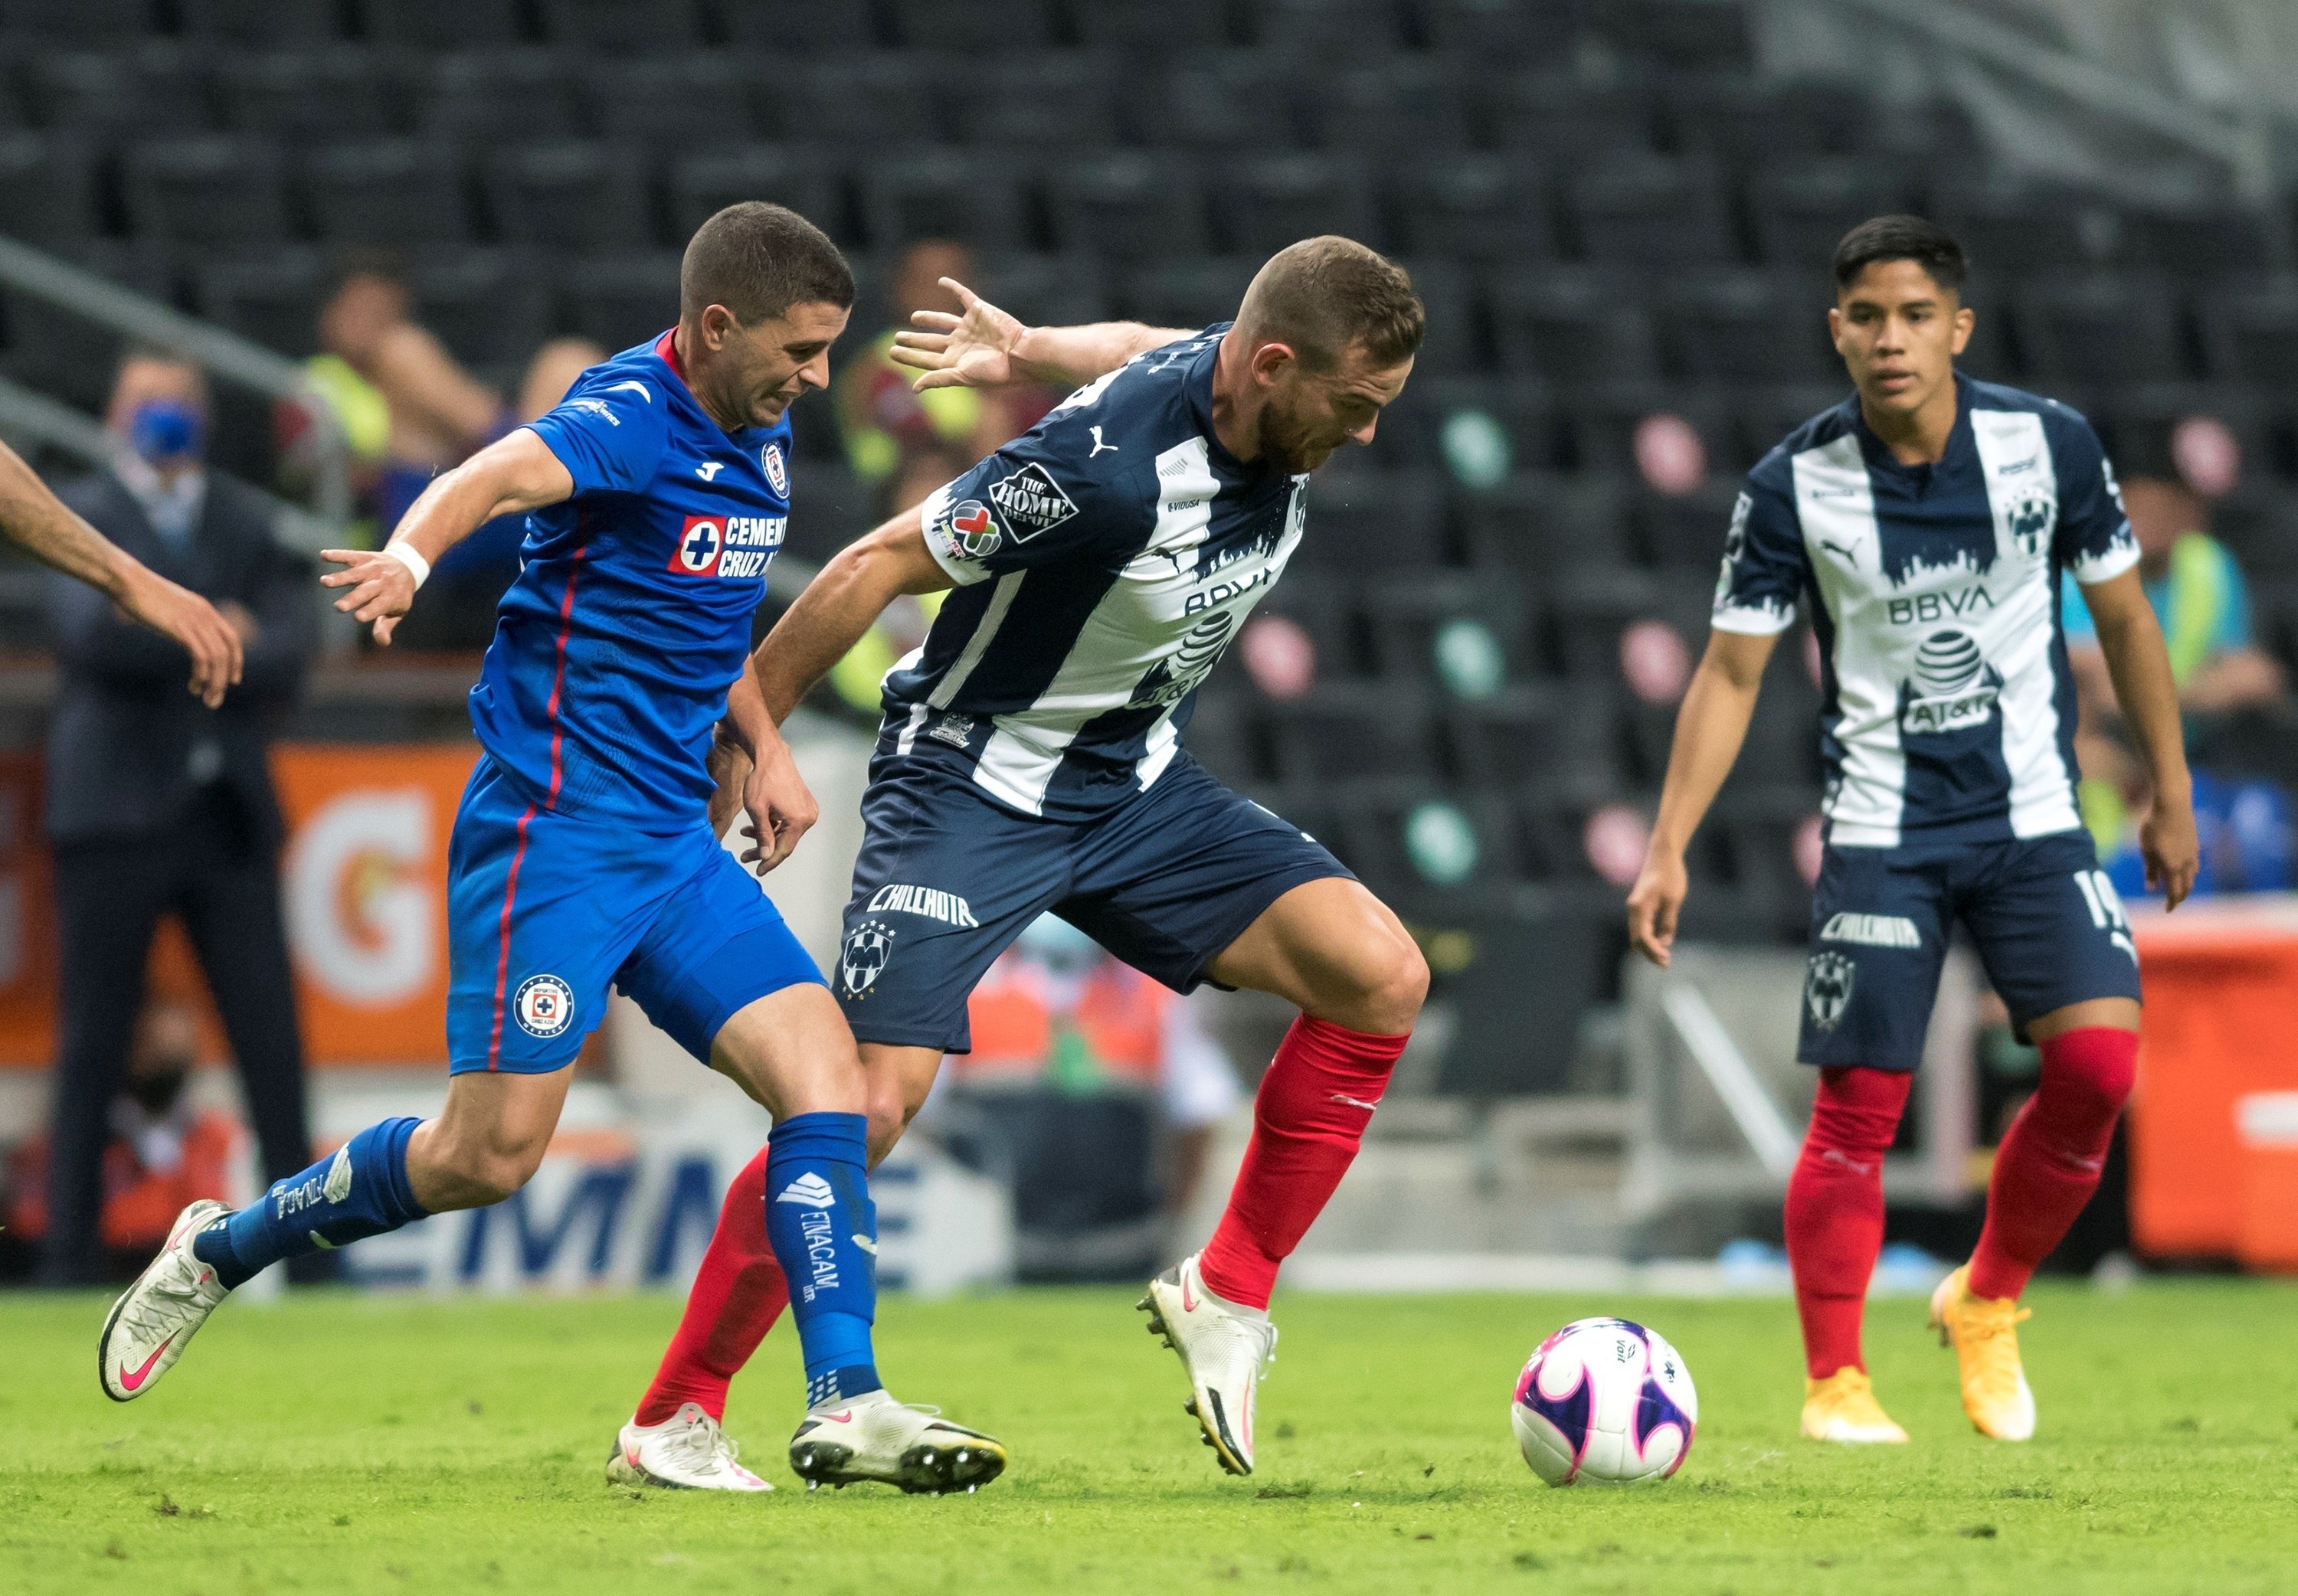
(172, 509)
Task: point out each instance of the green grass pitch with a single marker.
(342, 1444)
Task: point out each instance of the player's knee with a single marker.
(890, 1116)
(482, 1169)
(1391, 984)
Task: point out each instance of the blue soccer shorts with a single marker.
(948, 877)
(2048, 925)
(545, 911)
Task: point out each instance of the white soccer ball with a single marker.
(1604, 1401)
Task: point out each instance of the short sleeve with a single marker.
(1037, 500)
(609, 433)
(1764, 563)
(2093, 541)
(2074, 614)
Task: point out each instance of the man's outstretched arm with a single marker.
(515, 473)
(1710, 729)
(43, 527)
(987, 347)
(838, 608)
(2132, 639)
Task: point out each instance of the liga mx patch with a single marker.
(1031, 501)
(544, 1005)
(969, 531)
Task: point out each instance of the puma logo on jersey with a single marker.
(1098, 446)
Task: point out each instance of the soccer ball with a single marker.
(1606, 1400)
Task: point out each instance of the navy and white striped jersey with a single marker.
(1103, 562)
(1949, 712)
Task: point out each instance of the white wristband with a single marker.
(417, 566)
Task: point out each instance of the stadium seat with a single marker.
(1466, 634)
(1385, 836)
(1192, 294)
(1337, 28)
(1683, 532)
(2020, 229)
(674, 106)
(1346, 731)
(616, 301)
(1424, 427)
(1693, 36)
(1380, 521)
(1261, 203)
(1220, 102)
(1224, 734)
(216, 190)
(1548, 113)
(1588, 606)
(443, 24)
(260, 24)
(801, 26)
(1544, 740)
(1748, 327)
(1411, 103)
(863, 103)
(1315, 601)
(87, 24)
(396, 192)
(1502, 32)
(806, 181)
(1127, 206)
(47, 188)
(2250, 334)
(1044, 290)
(496, 96)
(144, 92)
(973, 196)
(1608, 427)
(1571, 324)
(1512, 1037)
(2203, 242)
(1484, 208)
(1763, 417)
(63, 355)
(1056, 100)
(1648, 212)
(1538, 523)
(273, 300)
(1749, 123)
(972, 27)
(2119, 328)
(1145, 27)
(1799, 210)
(573, 194)
(300, 97)
(490, 307)
(623, 27)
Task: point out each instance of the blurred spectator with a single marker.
(162, 1152)
(1097, 1089)
(883, 422)
(156, 803)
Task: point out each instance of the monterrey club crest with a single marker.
(777, 473)
(544, 1005)
(867, 947)
(1827, 987)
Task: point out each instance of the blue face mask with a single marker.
(167, 432)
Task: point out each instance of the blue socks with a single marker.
(362, 1191)
(824, 1231)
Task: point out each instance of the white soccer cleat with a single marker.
(874, 1438)
(687, 1451)
(155, 1318)
(1225, 1350)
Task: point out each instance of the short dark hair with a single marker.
(1901, 238)
(759, 260)
(1322, 295)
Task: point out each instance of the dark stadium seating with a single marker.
(1347, 732)
(1745, 327)
(1226, 101)
(616, 301)
(1127, 205)
(860, 103)
(47, 188)
(808, 27)
(1417, 104)
(297, 97)
(490, 307)
(2120, 327)
(806, 181)
(397, 192)
(1649, 211)
(1059, 100)
(1382, 521)
(570, 195)
(2250, 334)
(273, 298)
(1153, 27)
(88, 22)
(1263, 202)
(1486, 208)
(1409, 615)
(972, 195)
(1543, 112)
(672, 106)
(149, 89)
(1797, 211)
(1755, 122)
(442, 24)
(1329, 28)
(972, 27)
(1573, 325)
(1502, 32)
(623, 27)
(217, 191)
(260, 24)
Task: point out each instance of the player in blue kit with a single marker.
(1031, 756)
(655, 495)
(1923, 526)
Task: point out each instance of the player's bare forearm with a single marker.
(839, 606)
(1709, 728)
(2132, 639)
(43, 526)
(1069, 356)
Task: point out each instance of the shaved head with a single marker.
(1323, 297)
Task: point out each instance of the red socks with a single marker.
(1308, 1118)
(1835, 1207)
(736, 1297)
(2050, 1160)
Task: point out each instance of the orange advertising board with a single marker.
(363, 879)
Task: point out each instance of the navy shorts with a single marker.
(544, 911)
(2048, 926)
(948, 877)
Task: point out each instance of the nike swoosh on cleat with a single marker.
(1188, 1305)
(132, 1379)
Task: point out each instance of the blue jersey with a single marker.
(630, 616)
(1103, 561)
(1949, 711)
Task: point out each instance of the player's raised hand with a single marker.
(782, 809)
(971, 351)
(381, 588)
(1654, 903)
(2172, 852)
(181, 614)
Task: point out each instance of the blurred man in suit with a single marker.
(158, 802)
